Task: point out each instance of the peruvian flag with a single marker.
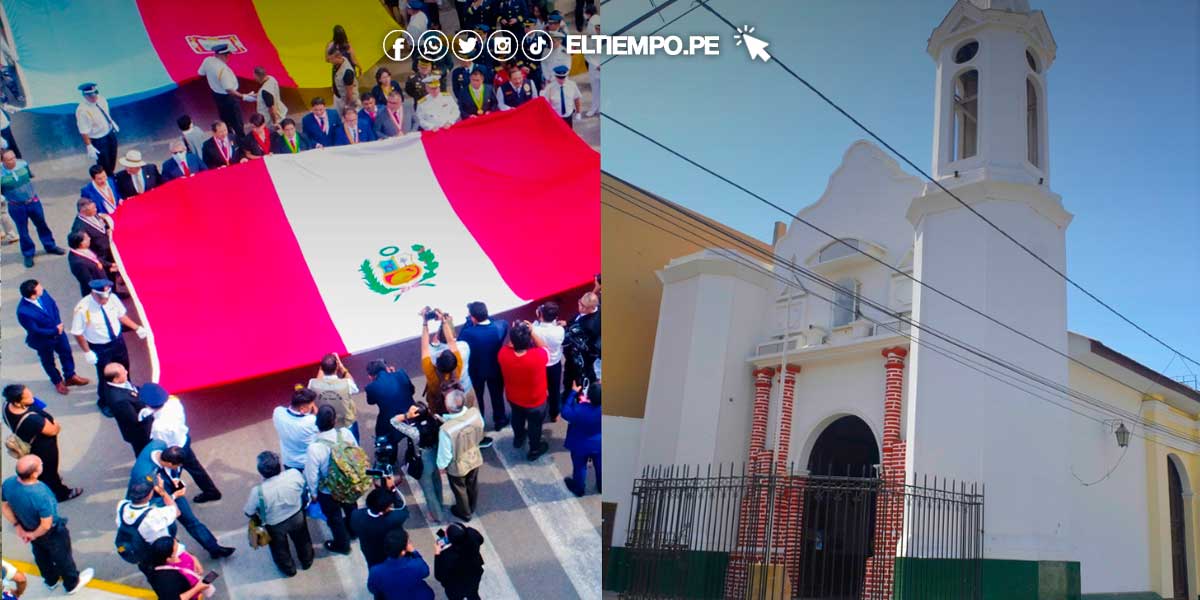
(268, 265)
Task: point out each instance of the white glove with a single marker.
(93, 153)
(90, 357)
(142, 333)
(116, 128)
(251, 98)
(145, 413)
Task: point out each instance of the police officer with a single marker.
(223, 83)
(97, 127)
(96, 324)
(460, 77)
(564, 96)
(436, 110)
(414, 89)
(510, 15)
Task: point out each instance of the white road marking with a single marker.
(557, 512)
(248, 573)
(495, 583)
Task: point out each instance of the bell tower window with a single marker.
(966, 115)
(1032, 133)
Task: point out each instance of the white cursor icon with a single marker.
(756, 46)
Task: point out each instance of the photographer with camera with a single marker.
(581, 344)
(457, 561)
(277, 504)
(421, 427)
(523, 365)
(377, 518)
(392, 391)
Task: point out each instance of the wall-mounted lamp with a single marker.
(1040, 180)
(1119, 429)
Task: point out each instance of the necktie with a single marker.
(354, 135)
(138, 183)
(562, 99)
(186, 172)
(112, 335)
(321, 122)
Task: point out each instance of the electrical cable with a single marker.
(1095, 403)
(910, 163)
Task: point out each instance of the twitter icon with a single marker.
(467, 45)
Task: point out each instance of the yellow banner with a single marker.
(301, 30)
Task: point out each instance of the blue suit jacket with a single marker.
(366, 133)
(170, 169)
(485, 342)
(312, 131)
(41, 324)
(89, 191)
(583, 433)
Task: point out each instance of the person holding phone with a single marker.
(458, 562)
(176, 573)
(582, 411)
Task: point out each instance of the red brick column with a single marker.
(788, 506)
(752, 513)
(889, 507)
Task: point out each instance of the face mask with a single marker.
(103, 295)
(180, 155)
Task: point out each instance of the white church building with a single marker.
(1072, 508)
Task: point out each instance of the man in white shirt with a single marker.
(96, 325)
(316, 469)
(296, 426)
(418, 24)
(97, 127)
(436, 110)
(267, 101)
(157, 521)
(564, 96)
(170, 426)
(551, 332)
(223, 83)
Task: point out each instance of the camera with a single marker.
(386, 456)
(431, 314)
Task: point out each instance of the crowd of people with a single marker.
(520, 374)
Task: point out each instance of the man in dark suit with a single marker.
(158, 462)
(102, 190)
(288, 140)
(124, 405)
(181, 164)
(485, 336)
(138, 177)
(38, 314)
(391, 122)
(477, 99)
(392, 391)
(88, 220)
(220, 150)
(320, 125)
(84, 263)
(352, 130)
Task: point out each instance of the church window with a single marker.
(1029, 58)
(1032, 133)
(966, 52)
(838, 249)
(966, 115)
(845, 302)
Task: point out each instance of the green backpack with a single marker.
(347, 479)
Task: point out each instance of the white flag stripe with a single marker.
(346, 204)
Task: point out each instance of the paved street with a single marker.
(542, 542)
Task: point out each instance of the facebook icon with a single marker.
(398, 45)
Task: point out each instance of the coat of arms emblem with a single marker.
(399, 270)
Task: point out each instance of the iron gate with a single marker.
(724, 532)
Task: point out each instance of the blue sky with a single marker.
(1124, 118)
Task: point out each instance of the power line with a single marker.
(660, 28)
(1019, 371)
(1011, 379)
(910, 163)
(870, 256)
(647, 15)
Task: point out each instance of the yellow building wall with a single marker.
(1158, 451)
(634, 246)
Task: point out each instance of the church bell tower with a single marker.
(990, 150)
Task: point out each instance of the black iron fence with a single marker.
(727, 532)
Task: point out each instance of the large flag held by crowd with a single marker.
(267, 265)
(139, 48)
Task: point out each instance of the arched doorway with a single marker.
(1179, 558)
(839, 510)
(845, 448)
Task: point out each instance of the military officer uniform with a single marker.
(94, 120)
(435, 112)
